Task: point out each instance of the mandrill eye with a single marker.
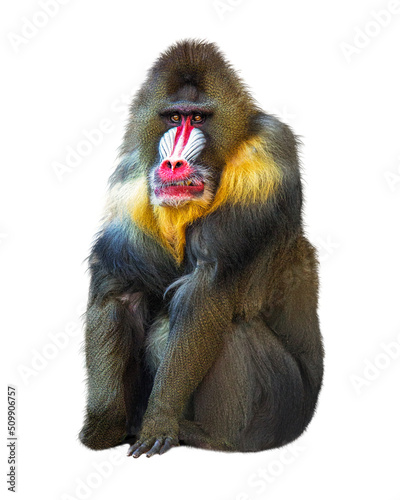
(198, 118)
(176, 118)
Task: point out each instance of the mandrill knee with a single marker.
(100, 432)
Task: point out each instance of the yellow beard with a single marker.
(250, 176)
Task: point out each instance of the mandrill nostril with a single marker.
(172, 164)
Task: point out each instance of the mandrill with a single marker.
(202, 326)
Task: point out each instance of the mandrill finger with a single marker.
(167, 446)
(156, 448)
(138, 449)
(142, 449)
(132, 448)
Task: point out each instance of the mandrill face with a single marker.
(178, 176)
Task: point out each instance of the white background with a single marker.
(80, 68)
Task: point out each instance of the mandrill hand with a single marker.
(156, 437)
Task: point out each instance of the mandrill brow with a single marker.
(202, 327)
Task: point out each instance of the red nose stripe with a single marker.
(182, 137)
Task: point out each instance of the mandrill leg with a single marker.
(116, 382)
(252, 398)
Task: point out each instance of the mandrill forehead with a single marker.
(191, 76)
(186, 107)
(187, 93)
(188, 99)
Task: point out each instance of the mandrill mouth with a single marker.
(179, 191)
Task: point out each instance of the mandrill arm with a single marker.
(200, 314)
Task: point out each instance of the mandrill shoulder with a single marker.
(257, 206)
(279, 138)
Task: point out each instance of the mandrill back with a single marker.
(202, 325)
